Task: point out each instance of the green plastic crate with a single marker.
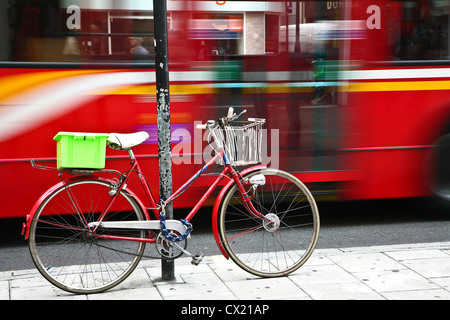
(80, 150)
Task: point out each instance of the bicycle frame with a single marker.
(156, 207)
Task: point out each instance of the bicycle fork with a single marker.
(256, 181)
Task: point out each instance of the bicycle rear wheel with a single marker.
(284, 239)
(67, 254)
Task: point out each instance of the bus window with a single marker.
(423, 30)
(216, 35)
(59, 31)
(133, 35)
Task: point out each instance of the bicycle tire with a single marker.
(64, 251)
(270, 249)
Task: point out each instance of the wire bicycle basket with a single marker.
(242, 141)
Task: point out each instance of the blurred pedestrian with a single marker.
(136, 46)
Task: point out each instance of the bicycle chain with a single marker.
(132, 254)
(164, 231)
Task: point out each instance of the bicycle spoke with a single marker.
(282, 241)
(67, 253)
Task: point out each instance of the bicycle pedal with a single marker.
(197, 259)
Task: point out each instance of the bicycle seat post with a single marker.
(130, 152)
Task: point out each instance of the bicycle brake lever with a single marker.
(240, 114)
(230, 117)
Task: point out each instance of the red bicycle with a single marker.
(88, 232)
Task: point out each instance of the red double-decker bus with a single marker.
(356, 93)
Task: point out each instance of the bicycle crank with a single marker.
(172, 250)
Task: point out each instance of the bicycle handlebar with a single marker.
(230, 112)
(231, 116)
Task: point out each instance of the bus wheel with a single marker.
(437, 171)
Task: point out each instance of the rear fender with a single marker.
(30, 216)
(215, 225)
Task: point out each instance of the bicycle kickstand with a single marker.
(196, 259)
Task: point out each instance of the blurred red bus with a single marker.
(358, 90)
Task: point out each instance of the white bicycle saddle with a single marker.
(125, 141)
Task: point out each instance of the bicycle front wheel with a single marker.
(281, 241)
(65, 251)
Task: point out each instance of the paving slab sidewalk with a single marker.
(399, 272)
